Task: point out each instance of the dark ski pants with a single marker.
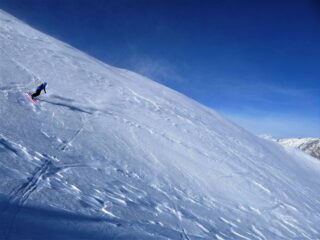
(36, 94)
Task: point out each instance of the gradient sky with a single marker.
(257, 62)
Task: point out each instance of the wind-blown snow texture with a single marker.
(110, 154)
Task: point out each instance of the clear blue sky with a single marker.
(257, 62)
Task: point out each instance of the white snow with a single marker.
(110, 154)
(311, 146)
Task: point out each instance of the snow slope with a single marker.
(110, 154)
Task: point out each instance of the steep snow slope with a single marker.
(110, 154)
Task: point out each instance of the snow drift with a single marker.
(107, 153)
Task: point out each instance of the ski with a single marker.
(32, 100)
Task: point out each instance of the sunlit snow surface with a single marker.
(109, 154)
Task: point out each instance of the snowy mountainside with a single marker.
(311, 146)
(110, 154)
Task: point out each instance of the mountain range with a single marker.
(311, 146)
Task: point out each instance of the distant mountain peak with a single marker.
(309, 145)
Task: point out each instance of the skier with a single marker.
(41, 86)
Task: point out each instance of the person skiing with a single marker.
(41, 86)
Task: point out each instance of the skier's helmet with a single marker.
(45, 83)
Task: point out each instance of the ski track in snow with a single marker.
(20, 195)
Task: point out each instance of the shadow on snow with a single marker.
(27, 222)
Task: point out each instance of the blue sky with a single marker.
(257, 62)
